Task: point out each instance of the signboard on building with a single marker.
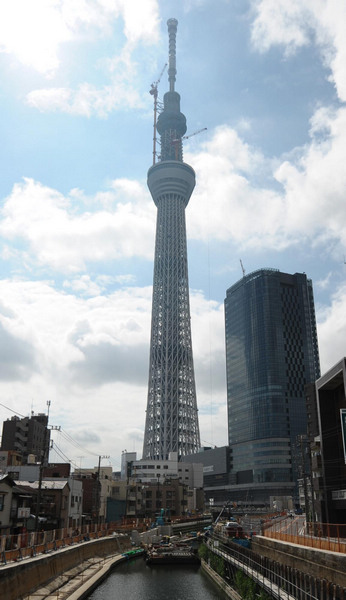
(209, 469)
(23, 513)
(339, 494)
(343, 429)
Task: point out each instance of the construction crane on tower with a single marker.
(154, 92)
(186, 137)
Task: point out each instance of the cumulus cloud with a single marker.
(87, 99)
(295, 24)
(237, 197)
(241, 196)
(332, 329)
(90, 357)
(34, 31)
(59, 234)
(17, 356)
(316, 182)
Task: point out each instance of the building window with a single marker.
(2, 501)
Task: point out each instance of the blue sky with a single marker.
(77, 223)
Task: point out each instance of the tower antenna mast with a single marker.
(154, 92)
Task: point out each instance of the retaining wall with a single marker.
(18, 580)
(321, 564)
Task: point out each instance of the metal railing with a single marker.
(23, 545)
(28, 544)
(324, 536)
(278, 580)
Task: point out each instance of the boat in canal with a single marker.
(179, 553)
(172, 555)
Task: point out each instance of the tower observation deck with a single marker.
(171, 416)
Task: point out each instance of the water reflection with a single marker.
(134, 580)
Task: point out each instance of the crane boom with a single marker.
(186, 137)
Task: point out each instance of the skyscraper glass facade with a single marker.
(271, 353)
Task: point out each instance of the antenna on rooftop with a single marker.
(242, 267)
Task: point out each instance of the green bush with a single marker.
(203, 551)
(247, 588)
(217, 564)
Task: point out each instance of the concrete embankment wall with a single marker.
(317, 563)
(20, 579)
(221, 583)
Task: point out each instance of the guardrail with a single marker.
(324, 536)
(280, 581)
(28, 544)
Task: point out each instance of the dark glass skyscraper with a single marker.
(271, 354)
(171, 420)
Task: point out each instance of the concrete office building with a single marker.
(271, 354)
(190, 473)
(29, 436)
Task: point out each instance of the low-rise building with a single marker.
(53, 500)
(6, 487)
(97, 488)
(188, 472)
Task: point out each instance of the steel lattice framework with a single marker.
(172, 418)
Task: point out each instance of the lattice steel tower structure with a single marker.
(172, 418)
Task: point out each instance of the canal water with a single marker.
(134, 580)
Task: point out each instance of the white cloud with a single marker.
(225, 204)
(296, 24)
(281, 22)
(83, 285)
(61, 236)
(90, 357)
(236, 197)
(332, 329)
(86, 100)
(240, 196)
(316, 183)
(141, 19)
(34, 30)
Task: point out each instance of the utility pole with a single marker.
(42, 461)
(98, 497)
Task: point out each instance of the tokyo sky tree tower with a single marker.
(171, 419)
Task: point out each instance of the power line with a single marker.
(63, 455)
(13, 411)
(70, 439)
